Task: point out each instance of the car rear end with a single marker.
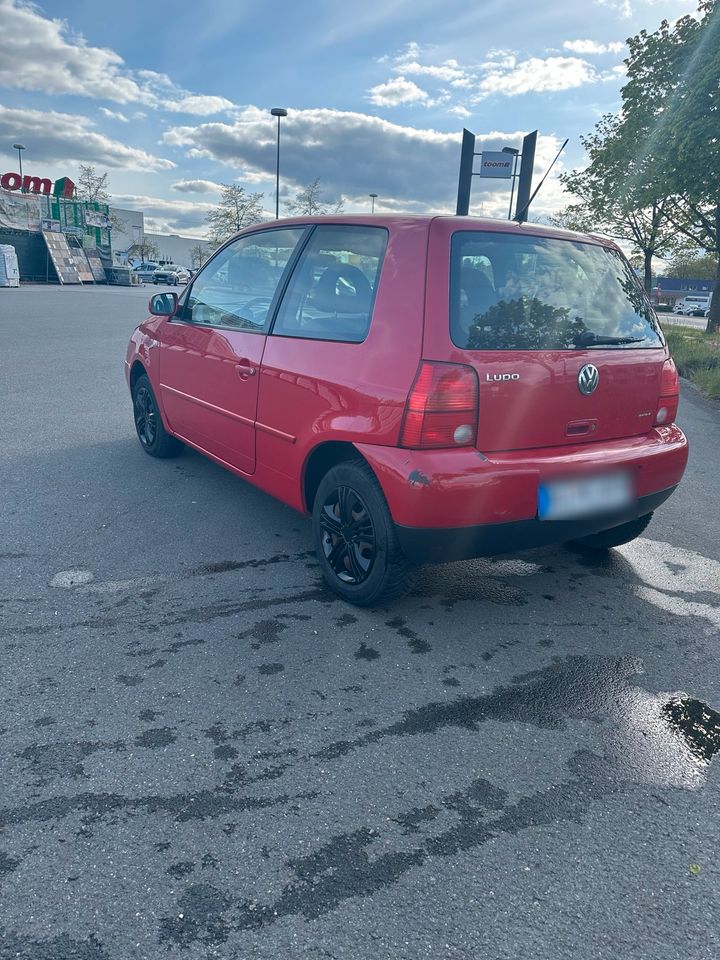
(543, 407)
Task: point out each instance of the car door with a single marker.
(210, 352)
(344, 348)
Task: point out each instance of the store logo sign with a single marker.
(64, 187)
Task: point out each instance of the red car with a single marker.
(427, 388)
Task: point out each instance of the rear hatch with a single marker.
(563, 340)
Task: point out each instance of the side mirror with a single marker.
(163, 304)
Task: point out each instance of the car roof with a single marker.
(398, 221)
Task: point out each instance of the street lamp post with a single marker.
(278, 112)
(373, 197)
(19, 147)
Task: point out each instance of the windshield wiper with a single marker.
(589, 339)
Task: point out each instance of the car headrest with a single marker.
(342, 288)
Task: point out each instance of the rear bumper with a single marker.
(432, 545)
(454, 504)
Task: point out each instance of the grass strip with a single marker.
(697, 357)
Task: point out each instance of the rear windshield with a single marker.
(512, 292)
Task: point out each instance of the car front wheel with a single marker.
(355, 537)
(153, 437)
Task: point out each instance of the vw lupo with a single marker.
(426, 388)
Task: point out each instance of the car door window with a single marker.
(332, 290)
(236, 288)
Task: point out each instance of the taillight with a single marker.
(442, 408)
(669, 394)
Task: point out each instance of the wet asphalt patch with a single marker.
(313, 669)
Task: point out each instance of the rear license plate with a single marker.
(584, 496)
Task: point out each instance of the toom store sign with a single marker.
(64, 187)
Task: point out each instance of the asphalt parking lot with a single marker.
(205, 754)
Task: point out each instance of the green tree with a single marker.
(673, 78)
(237, 209)
(614, 195)
(576, 216)
(308, 203)
(692, 264)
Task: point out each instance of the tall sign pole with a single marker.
(465, 180)
(525, 178)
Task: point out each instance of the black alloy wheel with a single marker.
(153, 436)
(355, 538)
(146, 416)
(348, 535)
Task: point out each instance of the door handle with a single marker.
(245, 370)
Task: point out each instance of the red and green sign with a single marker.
(63, 187)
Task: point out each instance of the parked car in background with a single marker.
(694, 305)
(145, 272)
(171, 274)
(425, 388)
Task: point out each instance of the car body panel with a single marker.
(456, 488)
(209, 394)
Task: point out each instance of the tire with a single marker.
(615, 536)
(369, 566)
(153, 437)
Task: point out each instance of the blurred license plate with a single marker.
(584, 496)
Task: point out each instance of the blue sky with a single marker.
(171, 103)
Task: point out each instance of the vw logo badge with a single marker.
(588, 379)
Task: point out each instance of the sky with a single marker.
(172, 103)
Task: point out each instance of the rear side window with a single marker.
(331, 293)
(511, 292)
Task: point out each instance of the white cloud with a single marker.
(195, 186)
(397, 91)
(622, 7)
(460, 111)
(499, 58)
(199, 105)
(253, 177)
(172, 216)
(69, 138)
(355, 154)
(40, 54)
(512, 78)
(114, 115)
(501, 73)
(448, 72)
(590, 46)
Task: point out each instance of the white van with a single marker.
(694, 305)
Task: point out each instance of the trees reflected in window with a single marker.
(532, 293)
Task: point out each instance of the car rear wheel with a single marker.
(615, 536)
(355, 538)
(153, 437)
